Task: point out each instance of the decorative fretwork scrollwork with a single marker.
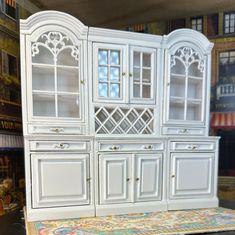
(55, 42)
(188, 56)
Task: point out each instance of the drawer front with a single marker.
(40, 129)
(118, 146)
(59, 145)
(193, 146)
(183, 131)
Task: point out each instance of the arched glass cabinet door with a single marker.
(56, 76)
(186, 85)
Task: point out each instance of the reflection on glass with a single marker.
(114, 57)
(114, 73)
(43, 78)
(68, 106)
(136, 58)
(146, 75)
(136, 91)
(146, 91)
(146, 60)
(43, 105)
(43, 57)
(103, 57)
(103, 90)
(103, 73)
(67, 79)
(65, 58)
(114, 90)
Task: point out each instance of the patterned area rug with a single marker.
(170, 222)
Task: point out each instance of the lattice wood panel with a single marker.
(120, 120)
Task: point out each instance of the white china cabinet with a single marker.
(186, 73)
(106, 114)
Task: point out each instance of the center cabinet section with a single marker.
(130, 174)
(124, 74)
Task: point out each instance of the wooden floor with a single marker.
(13, 223)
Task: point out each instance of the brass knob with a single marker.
(137, 179)
(128, 179)
(173, 176)
(130, 74)
(88, 179)
(123, 74)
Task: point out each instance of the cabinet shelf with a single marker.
(40, 65)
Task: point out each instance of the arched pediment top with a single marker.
(188, 35)
(44, 18)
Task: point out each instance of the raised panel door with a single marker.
(191, 175)
(115, 178)
(148, 177)
(60, 179)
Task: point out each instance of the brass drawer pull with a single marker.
(114, 147)
(57, 130)
(61, 146)
(148, 147)
(193, 147)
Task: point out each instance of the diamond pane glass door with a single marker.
(141, 73)
(55, 76)
(109, 73)
(186, 85)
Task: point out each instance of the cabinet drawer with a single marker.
(192, 146)
(183, 131)
(59, 146)
(118, 146)
(40, 129)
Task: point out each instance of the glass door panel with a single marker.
(65, 57)
(68, 106)
(177, 87)
(142, 72)
(68, 79)
(109, 73)
(186, 85)
(44, 56)
(44, 105)
(176, 111)
(194, 88)
(194, 110)
(56, 76)
(43, 78)
(194, 70)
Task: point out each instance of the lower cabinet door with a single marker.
(148, 177)
(191, 175)
(60, 179)
(115, 177)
